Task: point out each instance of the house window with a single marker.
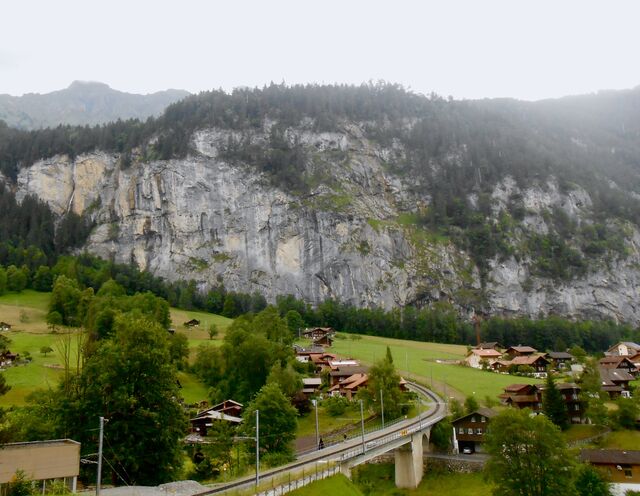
(479, 431)
(627, 472)
(460, 430)
(469, 430)
(483, 419)
(576, 407)
(473, 419)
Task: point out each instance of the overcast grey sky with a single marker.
(468, 49)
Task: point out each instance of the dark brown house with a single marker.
(559, 359)
(4, 326)
(315, 333)
(192, 323)
(489, 345)
(227, 411)
(615, 382)
(531, 395)
(516, 351)
(469, 431)
(620, 363)
(620, 467)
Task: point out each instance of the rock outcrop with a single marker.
(207, 219)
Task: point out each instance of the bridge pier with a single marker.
(409, 461)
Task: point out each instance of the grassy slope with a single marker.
(378, 480)
(32, 334)
(419, 360)
(334, 486)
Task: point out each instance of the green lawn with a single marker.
(326, 423)
(378, 479)
(424, 363)
(26, 312)
(27, 298)
(624, 440)
(42, 372)
(338, 485)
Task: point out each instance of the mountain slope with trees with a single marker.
(371, 195)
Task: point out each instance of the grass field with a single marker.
(26, 312)
(42, 372)
(338, 485)
(426, 362)
(624, 440)
(378, 479)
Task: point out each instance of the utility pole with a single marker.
(362, 425)
(382, 407)
(315, 403)
(99, 477)
(257, 448)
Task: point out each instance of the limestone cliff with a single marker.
(351, 237)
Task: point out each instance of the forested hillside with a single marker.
(459, 198)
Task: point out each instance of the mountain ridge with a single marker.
(83, 103)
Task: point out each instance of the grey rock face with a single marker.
(206, 219)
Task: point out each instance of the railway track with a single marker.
(344, 451)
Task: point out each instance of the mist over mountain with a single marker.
(369, 194)
(82, 103)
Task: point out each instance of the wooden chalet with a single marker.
(192, 323)
(560, 360)
(7, 358)
(522, 396)
(477, 357)
(517, 351)
(619, 467)
(314, 333)
(4, 326)
(624, 348)
(469, 431)
(227, 411)
(340, 373)
(350, 386)
(619, 363)
(311, 385)
(531, 395)
(538, 363)
(615, 382)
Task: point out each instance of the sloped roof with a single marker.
(522, 349)
(610, 376)
(485, 353)
(610, 456)
(560, 355)
(528, 360)
(485, 412)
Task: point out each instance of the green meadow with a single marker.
(26, 312)
(428, 363)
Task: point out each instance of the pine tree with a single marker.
(553, 404)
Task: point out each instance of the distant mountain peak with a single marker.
(83, 103)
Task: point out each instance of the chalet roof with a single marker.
(521, 398)
(481, 352)
(610, 456)
(560, 355)
(610, 376)
(527, 360)
(308, 351)
(614, 361)
(225, 404)
(214, 415)
(347, 371)
(628, 344)
(567, 385)
(514, 388)
(489, 345)
(355, 381)
(522, 349)
(485, 412)
(312, 381)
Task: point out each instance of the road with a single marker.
(351, 448)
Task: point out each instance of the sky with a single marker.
(467, 49)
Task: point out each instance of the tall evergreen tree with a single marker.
(553, 404)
